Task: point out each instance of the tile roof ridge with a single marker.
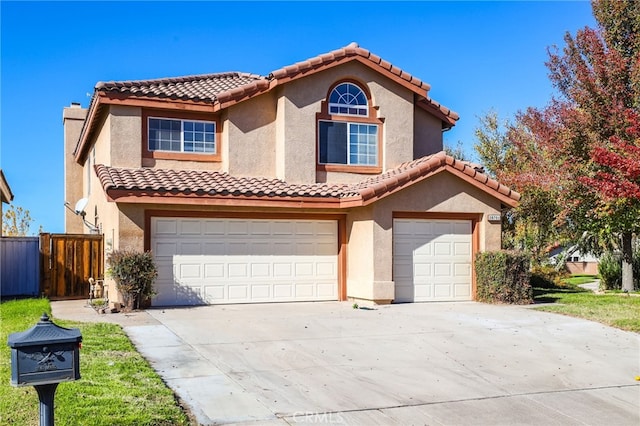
(177, 79)
(352, 49)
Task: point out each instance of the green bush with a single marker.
(610, 270)
(547, 276)
(503, 277)
(134, 274)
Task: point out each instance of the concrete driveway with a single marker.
(410, 364)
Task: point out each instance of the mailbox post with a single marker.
(44, 356)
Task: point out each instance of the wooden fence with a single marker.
(19, 266)
(66, 263)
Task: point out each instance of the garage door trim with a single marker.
(339, 218)
(475, 218)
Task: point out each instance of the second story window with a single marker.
(348, 99)
(348, 131)
(182, 135)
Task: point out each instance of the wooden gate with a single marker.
(67, 261)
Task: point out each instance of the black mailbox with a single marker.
(45, 354)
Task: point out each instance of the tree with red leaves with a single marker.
(584, 147)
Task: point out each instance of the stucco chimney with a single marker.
(72, 120)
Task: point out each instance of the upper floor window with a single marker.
(349, 133)
(182, 135)
(348, 99)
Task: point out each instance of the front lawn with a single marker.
(577, 279)
(615, 309)
(117, 387)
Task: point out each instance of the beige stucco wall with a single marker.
(126, 136)
(427, 134)
(72, 122)
(250, 132)
(442, 193)
(274, 134)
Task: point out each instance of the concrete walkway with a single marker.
(410, 364)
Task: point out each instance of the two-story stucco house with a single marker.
(324, 180)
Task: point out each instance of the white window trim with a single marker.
(182, 121)
(348, 142)
(364, 107)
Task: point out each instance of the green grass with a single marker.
(615, 309)
(117, 385)
(579, 279)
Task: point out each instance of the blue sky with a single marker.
(477, 56)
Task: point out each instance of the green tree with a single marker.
(456, 152)
(493, 147)
(532, 225)
(597, 75)
(16, 221)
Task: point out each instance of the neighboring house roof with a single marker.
(147, 185)
(6, 196)
(572, 251)
(212, 92)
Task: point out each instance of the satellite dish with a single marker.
(81, 205)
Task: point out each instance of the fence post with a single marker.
(45, 263)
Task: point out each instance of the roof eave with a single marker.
(154, 197)
(5, 191)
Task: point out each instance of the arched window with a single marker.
(348, 99)
(349, 134)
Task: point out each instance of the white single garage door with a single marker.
(216, 261)
(432, 260)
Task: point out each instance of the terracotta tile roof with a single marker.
(208, 184)
(409, 172)
(235, 86)
(205, 87)
(224, 89)
(198, 182)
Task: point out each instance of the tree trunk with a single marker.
(627, 261)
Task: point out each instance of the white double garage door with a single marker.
(223, 260)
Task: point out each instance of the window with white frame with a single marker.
(348, 99)
(192, 136)
(344, 140)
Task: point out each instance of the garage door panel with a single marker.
(432, 260)
(423, 291)
(165, 249)
(213, 248)
(461, 249)
(442, 270)
(166, 227)
(214, 293)
(326, 270)
(260, 248)
(304, 290)
(260, 292)
(462, 290)
(303, 269)
(237, 270)
(213, 270)
(189, 271)
(214, 227)
(283, 291)
(260, 270)
(462, 270)
(260, 228)
(240, 261)
(442, 248)
(282, 270)
(190, 227)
